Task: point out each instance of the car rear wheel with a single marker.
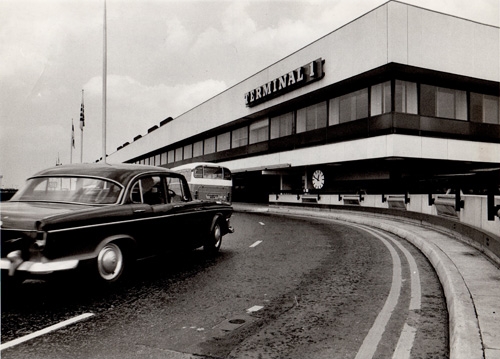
(110, 262)
(214, 240)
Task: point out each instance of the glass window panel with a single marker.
(380, 98)
(209, 145)
(460, 105)
(491, 109)
(411, 97)
(346, 108)
(240, 137)
(198, 149)
(224, 142)
(361, 104)
(282, 125)
(427, 100)
(259, 131)
(353, 106)
(188, 151)
(198, 172)
(178, 154)
(301, 120)
(334, 111)
(445, 103)
(157, 160)
(311, 117)
(171, 156)
(163, 158)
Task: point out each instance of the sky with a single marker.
(164, 57)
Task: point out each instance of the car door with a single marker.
(188, 214)
(143, 225)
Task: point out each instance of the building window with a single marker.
(239, 137)
(224, 142)
(157, 160)
(198, 149)
(282, 126)
(350, 107)
(163, 158)
(171, 156)
(209, 146)
(405, 97)
(259, 131)
(380, 98)
(443, 102)
(311, 117)
(178, 154)
(188, 151)
(485, 108)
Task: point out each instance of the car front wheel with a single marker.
(214, 241)
(110, 262)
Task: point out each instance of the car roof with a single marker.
(121, 173)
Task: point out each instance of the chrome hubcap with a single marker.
(110, 261)
(217, 235)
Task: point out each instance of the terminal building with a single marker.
(400, 102)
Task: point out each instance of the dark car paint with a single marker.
(78, 231)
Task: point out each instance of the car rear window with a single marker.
(83, 190)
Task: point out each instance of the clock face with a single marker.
(318, 179)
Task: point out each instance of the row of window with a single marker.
(409, 97)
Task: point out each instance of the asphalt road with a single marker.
(281, 287)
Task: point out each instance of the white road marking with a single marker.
(256, 244)
(370, 344)
(255, 308)
(407, 337)
(45, 331)
(405, 342)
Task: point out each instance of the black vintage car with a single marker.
(103, 217)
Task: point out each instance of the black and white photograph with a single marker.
(250, 179)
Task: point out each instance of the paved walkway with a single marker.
(470, 281)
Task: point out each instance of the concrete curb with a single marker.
(465, 338)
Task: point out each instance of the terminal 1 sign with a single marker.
(290, 81)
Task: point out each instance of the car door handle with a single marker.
(139, 211)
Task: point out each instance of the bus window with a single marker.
(212, 172)
(198, 172)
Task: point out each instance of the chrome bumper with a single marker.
(14, 263)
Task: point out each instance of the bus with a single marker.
(208, 181)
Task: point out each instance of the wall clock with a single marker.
(318, 179)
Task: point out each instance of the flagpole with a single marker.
(104, 80)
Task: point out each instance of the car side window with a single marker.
(149, 190)
(175, 190)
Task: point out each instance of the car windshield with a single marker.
(82, 190)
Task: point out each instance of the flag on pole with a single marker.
(72, 134)
(82, 116)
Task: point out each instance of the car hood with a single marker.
(24, 215)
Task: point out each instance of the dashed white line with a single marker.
(256, 244)
(255, 308)
(45, 331)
